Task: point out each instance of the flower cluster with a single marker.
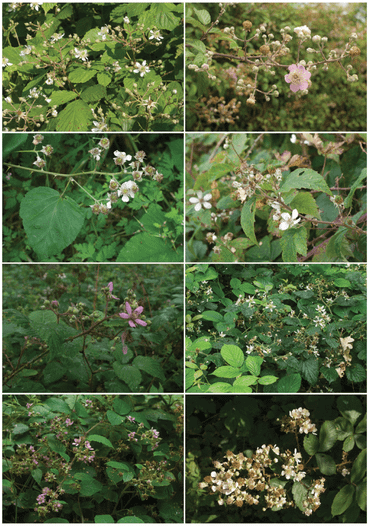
(322, 319)
(267, 59)
(247, 480)
(59, 54)
(299, 422)
(127, 189)
(48, 501)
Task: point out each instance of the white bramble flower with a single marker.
(126, 20)
(104, 31)
(303, 31)
(128, 190)
(95, 152)
(121, 157)
(55, 37)
(289, 220)
(201, 201)
(99, 127)
(81, 54)
(35, 5)
(141, 68)
(26, 51)
(155, 34)
(38, 138)
(40, 163)
(6, 62)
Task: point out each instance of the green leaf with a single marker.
(58, 405)
(129, 374)
(104, 518)
(221, 387)
(348, 201)
(121, 406)
(145, 247)
(310, 370)
(338, 247)
(226, 371)
(247, 219)
(189, 378)
(350, 407)
(100, 439)
(294, 241)
(150, 366)
(12, 142)
(326, 464)
(203, 16)
(197, 44)
(93, 93)
(53, 371)
(253, 365)
(242, 384)
(267, 379)
(342, 500)
(51, 222)
(62, 97)
(130, 519)
(305, 204)
(37, 475)
(299, 492)
(311, 444)
(104, 79)
(361, 495)
(214, 316)
(81, 75)
(328, 436)
(89, 486)
(305, 178)
(19, 429)
(114, 418)
(289, 383)
(76, 116)
(342, 282)
(232, 355)
(356, 373)
(358, 470)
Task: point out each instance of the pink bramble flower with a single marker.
(110, 285)
(124, 347)
(133, 316)
(297, 78)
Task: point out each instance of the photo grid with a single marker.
(184, 293)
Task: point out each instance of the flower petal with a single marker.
(131, 324)
(128, 308)
(124, 315)
(141, 322)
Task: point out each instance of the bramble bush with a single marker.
(86, 198)
(86, 459)
(276, 67)
(276, 197)
(276, 460)
(92, 328)
(92, 66)
(285, 328)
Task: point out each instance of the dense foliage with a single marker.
(276, 197)
(77, 198)
(282, 328)
(276, 66)
(92, 66)
(86, 459)
(262, 459)
(93, 328)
